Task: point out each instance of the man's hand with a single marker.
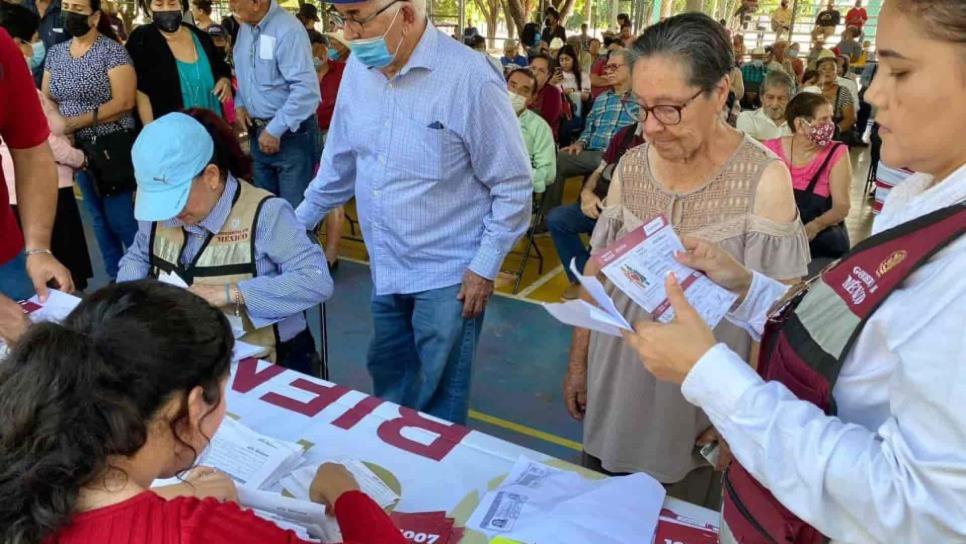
(267, 143)
(574, 148)
(331, 482)
(242, 119)
(590, 204)
(575, 391)
(223, 89)
(669, 351)
(475, 293)
(13, 322)
(213, 294)
(43, 268)
(724, 451)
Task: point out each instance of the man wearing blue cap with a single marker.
(278, 94)
(424, 136)
(238, 247)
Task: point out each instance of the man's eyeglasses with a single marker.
(349, 23)
(610, 68)
(666, 114)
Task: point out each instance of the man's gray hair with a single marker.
(696, 41)
(779, 78)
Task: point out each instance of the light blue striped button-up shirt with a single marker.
(435, 159)
(292, 275)
(276, 78)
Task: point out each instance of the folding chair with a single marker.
(536, 219)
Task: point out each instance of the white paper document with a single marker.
(57, 307)
(298, 482)
(540, 503)
(304, 517)
(172, 278)
(251, 459)
(639, 262)
(244, 350)
(604, 318)
(237, 325)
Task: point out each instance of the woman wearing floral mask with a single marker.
(821, 174)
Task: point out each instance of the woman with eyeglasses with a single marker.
(708, 180)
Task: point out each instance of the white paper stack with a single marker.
(539, 503)
(251, 459)
(298, 482)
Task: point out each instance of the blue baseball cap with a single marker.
(168, 154)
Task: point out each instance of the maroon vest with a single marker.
(805, 344)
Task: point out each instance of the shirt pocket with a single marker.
(425, 149)
(267, 75)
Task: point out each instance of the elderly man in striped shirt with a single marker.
(424, 136)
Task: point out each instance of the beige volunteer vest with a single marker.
(226, 257)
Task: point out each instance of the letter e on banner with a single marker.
(355, 414)
(324, 396)
(448, 435)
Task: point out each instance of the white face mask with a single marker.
(518, 102)
(757, 62)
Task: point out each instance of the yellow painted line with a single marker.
(524, 430)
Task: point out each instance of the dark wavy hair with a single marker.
(572, 53)
(229, 156)
(77, 394)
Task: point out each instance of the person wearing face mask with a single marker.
(93, 83)
(768, 121)
(177, 64)
(537, 136)
(131, 387)
(238, 247)
(843, 103)
(278, 93)
(330, 70)
(66, 246)
(51, 30)
(424, 137)
(821, 175)
(798, 65)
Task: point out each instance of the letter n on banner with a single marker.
(325, 395)
(447, 435)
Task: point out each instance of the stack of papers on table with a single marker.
(539, 503)
(637, 265)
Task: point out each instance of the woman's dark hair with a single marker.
(809, 75)
(18, 21)
(528, 34)
(804, 105)
(228, 156)
(77, 394)
(203, 5)
(146, 6)
(845, 64)
(103, 23)
(943, 20)
(528, 73)
(572, 53)
(695, 40)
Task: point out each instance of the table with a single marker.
(433, 464)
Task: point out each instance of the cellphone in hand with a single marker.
(711, 452)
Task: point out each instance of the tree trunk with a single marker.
(564, 7)
(519, 11)
(511, 30)
(491, 21)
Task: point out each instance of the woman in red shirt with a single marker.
(129, 389)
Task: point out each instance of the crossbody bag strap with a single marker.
(818, 173)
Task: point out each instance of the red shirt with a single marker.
(598, 70)
(22, 126)
(149, 519)
(549, 105)
(329, 86)
(856, 17)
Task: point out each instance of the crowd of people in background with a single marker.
(239, 137)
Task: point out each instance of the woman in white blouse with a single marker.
(885, 461)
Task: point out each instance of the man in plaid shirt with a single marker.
(609, 114)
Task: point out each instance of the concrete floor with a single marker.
(516, 391)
